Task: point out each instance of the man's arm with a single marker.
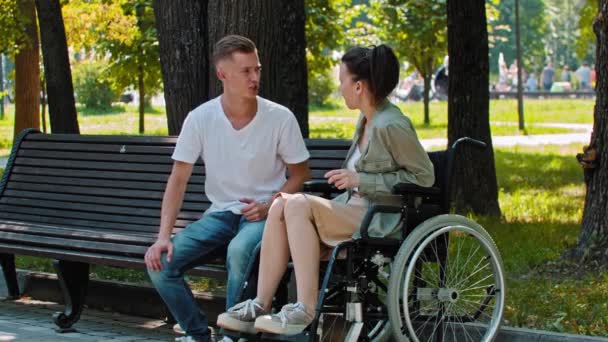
(298, 174)
(172, 202)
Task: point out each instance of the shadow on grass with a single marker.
(116, 109)
(540, 170)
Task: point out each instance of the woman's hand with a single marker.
(343, 178)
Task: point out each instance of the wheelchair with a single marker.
(441, 281)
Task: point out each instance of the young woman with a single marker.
(385, 151)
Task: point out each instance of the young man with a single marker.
(247, 144)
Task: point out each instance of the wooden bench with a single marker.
(92, 199)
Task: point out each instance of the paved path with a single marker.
(30, 320)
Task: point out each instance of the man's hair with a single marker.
(230, 44)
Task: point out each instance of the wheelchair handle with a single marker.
(474, 142)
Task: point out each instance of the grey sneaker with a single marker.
(291, 320)
(241, 317)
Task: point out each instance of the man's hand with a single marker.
(153, 254)
(343, 178)
(254, 211)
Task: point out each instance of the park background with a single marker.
(114, 55)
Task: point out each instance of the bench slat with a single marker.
(79, 222)
(160, 177)
(89, 165)
(133, 194)
(72, 146)
(74, 244)
(116, 184)
(114, 218)
(150, 204)
(68, 156)
(80, 232)
(92, 208)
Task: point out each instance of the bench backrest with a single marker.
(110, 183)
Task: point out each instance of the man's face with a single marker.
(240, 74)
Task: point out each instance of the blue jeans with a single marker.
(190, 248)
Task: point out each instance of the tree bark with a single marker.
(1, 87)
(593, 238)
(182, 34)
(27, 74)
(474, 185)
(277, 28)
(142, 98)
(426, 99)
(58, 75)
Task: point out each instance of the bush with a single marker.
(320, 88)
(92, 87)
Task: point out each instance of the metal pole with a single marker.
(520, 97)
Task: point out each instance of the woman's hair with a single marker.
(377, 65)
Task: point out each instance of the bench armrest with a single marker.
(369, 215)
(405, 189)
(319, 186)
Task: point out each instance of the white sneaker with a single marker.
(178, 329)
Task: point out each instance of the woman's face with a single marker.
(349, 89)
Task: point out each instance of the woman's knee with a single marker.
(298, 205)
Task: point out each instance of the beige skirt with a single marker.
(335, 222)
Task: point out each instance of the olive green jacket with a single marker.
(393, 155)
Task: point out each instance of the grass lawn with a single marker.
(541, 197)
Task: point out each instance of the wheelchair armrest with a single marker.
(405, 189)
(373, 210)
(319, 186)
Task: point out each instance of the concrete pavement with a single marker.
(30, 320)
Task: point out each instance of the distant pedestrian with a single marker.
(566, 76)
(546, 76)
(531, 83)
(583, 73)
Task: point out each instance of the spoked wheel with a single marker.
(447, 283)
(338, 322)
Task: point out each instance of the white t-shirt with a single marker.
(246, 163)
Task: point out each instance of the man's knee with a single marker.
(167, 271)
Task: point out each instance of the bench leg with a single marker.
(10, 275)
(74, 279)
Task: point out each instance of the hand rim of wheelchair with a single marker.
(413, 247)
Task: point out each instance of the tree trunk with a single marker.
(1, 87)
(593, 239)
(182, 36)
(474, 186)
(27, 74)
(142, 97)
(427, 90)
(57, 72)
(277, 28)
(43, 102)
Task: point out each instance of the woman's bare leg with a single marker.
(274, 254)
(305, 249)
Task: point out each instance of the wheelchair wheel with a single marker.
(335, 328)
(447, 283)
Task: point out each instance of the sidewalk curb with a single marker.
(142, 300)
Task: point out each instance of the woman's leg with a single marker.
(274, 255)
(305, 249)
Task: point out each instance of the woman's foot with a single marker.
(242, 316)
(291, 320)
